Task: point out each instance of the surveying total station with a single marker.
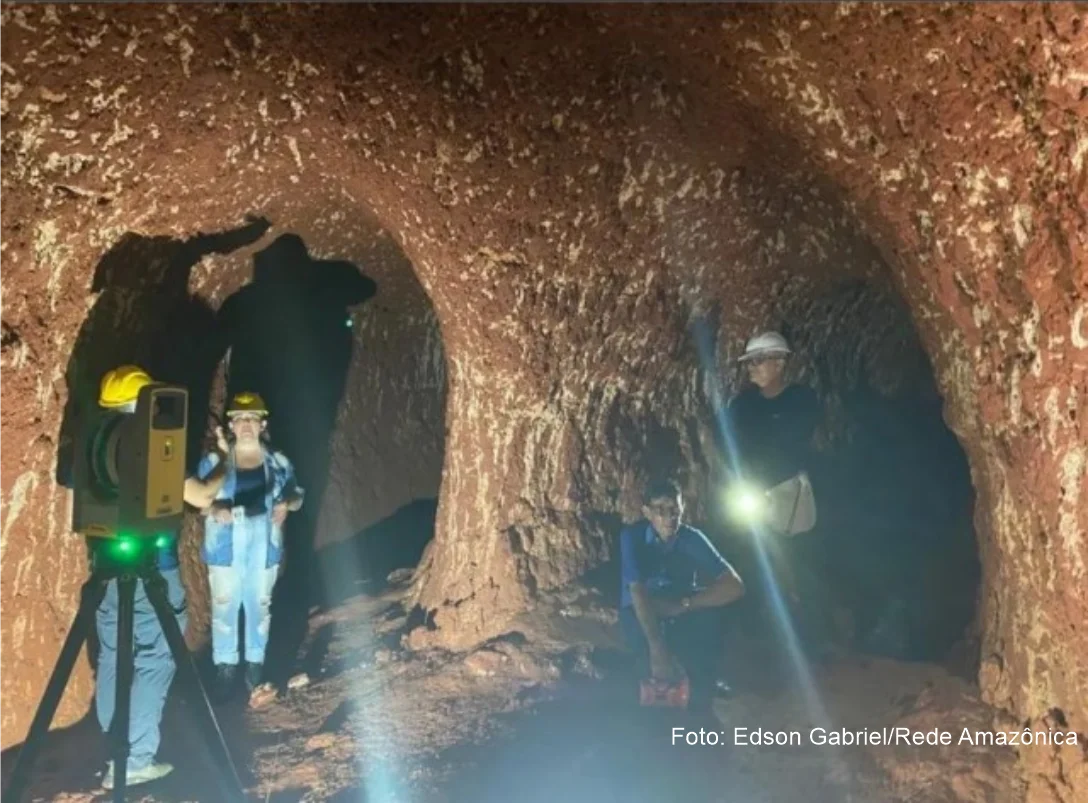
(129, 469)
(128, 479)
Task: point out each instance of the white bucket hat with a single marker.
(768, 344)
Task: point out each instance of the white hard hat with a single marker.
(768, 344)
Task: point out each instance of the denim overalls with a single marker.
(243, 559)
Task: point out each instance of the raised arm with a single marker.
(201, 490)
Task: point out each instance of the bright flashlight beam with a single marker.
(746, 503)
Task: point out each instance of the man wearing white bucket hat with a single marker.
(773, 423)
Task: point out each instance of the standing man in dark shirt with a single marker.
(772, 422)
(674, 586)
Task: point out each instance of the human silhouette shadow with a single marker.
(290, 339)
(145, 315)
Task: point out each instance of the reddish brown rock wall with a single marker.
(964, 152)
(573, 187)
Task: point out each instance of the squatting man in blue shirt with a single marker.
(675, 585)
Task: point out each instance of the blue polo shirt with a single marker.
(682, 566)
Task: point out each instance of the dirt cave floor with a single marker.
(552, 722)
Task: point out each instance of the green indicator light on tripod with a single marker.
(126, 548)
(162, 541)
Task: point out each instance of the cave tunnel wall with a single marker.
(394, 403)
(573, 187)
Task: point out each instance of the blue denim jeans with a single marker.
(246, 584)
(153, 665)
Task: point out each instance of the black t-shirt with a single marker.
(249, 490)
(773, 437)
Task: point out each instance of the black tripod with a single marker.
(90, 597)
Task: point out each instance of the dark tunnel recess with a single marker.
(348, 356)
(892, 565)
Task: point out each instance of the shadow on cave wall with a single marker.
(287, 334)
(144, 314)
(290, 339)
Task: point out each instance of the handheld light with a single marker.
(746, 502)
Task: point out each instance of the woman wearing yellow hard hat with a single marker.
(243, 538)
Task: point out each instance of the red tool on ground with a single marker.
(664, 693)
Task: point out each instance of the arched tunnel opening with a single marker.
(896, 482)
(492, 270)
(890, 567)
(360, 420)
(356, 403)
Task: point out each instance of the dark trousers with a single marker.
(695, 639)
(810, 589)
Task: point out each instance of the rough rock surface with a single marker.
(581, 193)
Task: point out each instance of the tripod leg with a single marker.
(213, 736)
(119, 728)
(89, 599)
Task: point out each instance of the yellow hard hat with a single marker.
(247, 403)
(121, 386)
